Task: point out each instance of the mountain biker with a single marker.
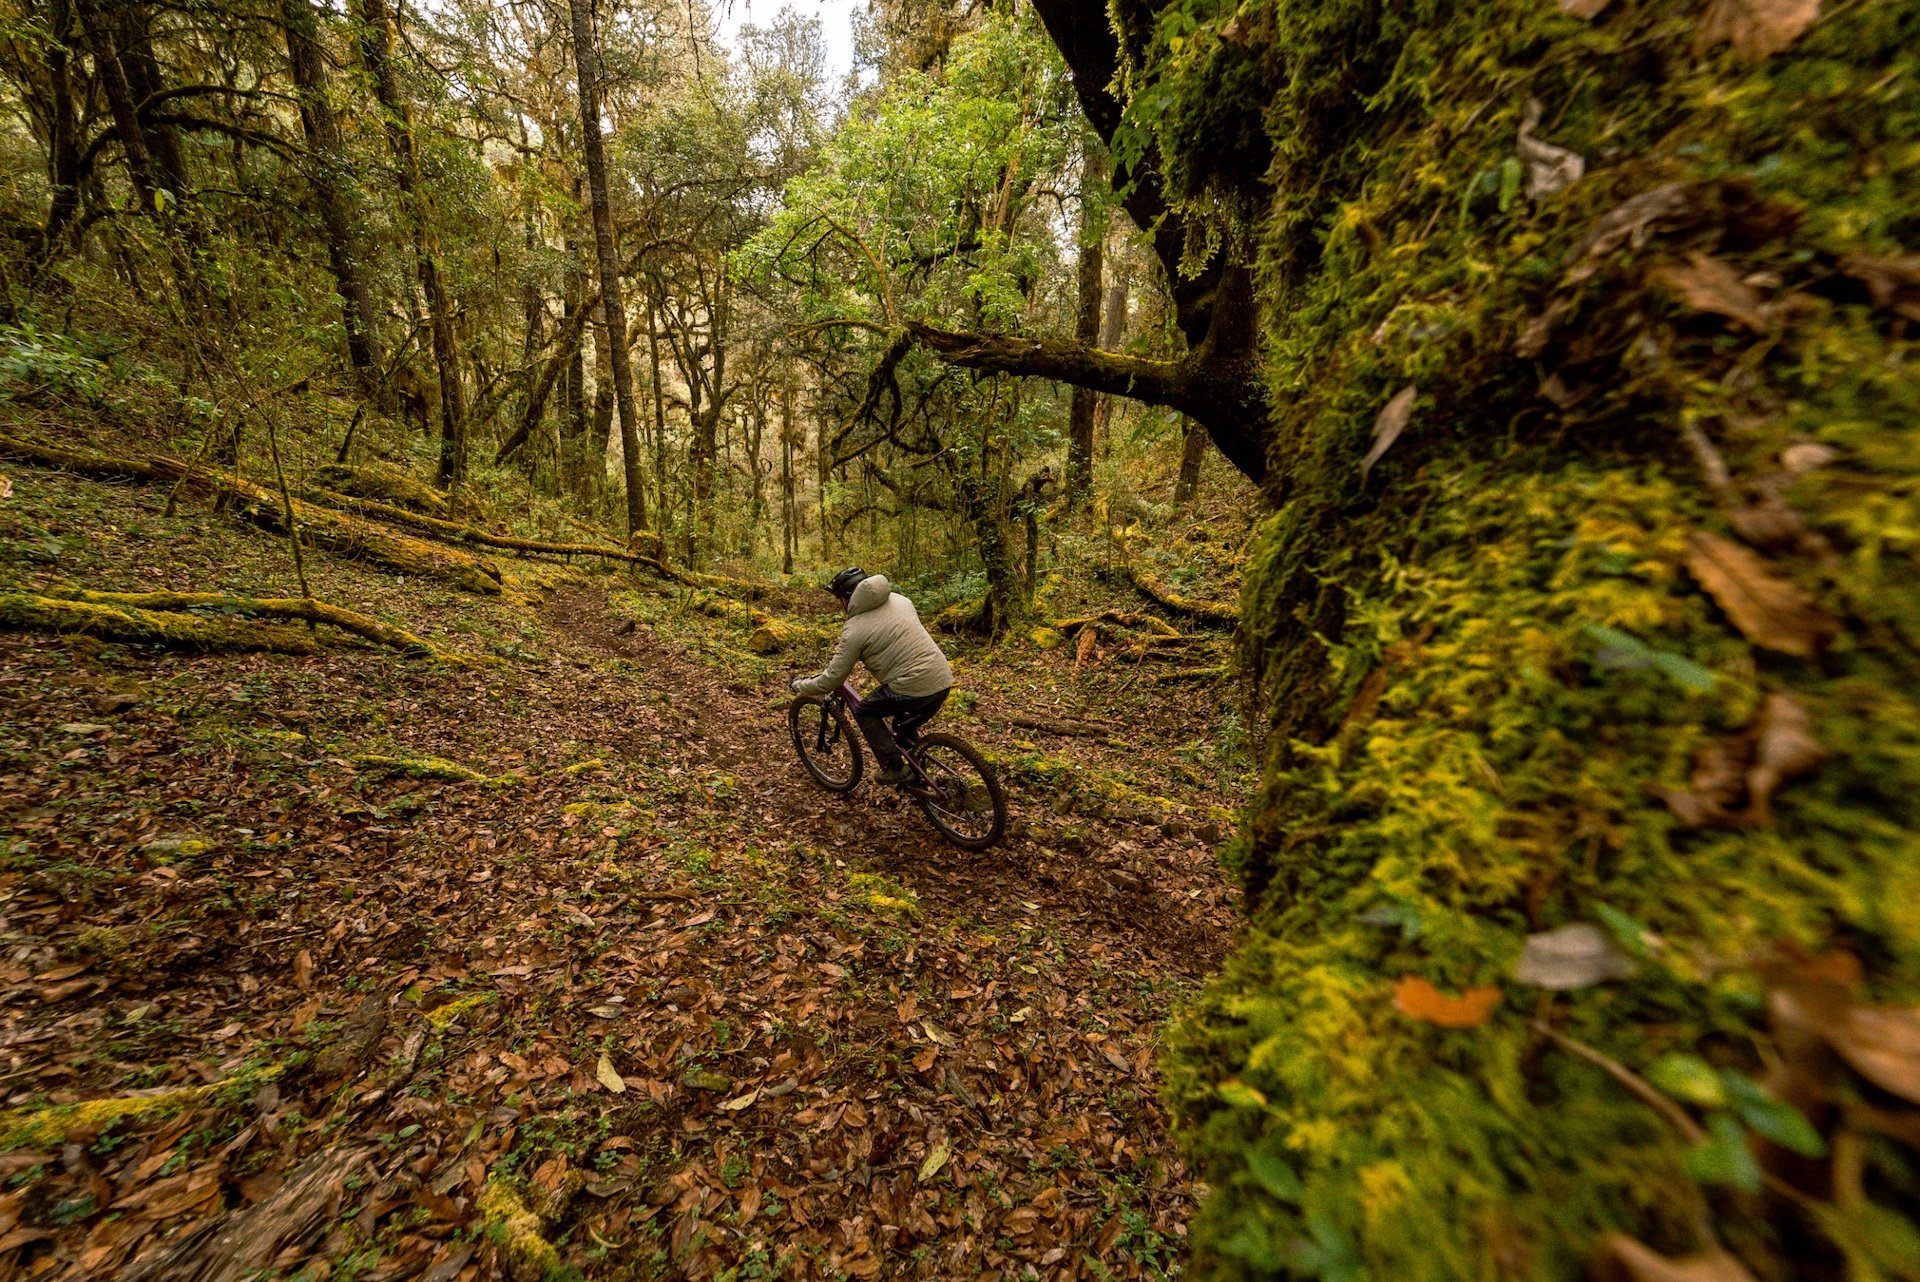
(884, 631)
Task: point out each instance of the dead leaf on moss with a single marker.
(1880, 1043)
(1893, 282)
(1707, 284)
(1755, 28)
(1585, 10)
(6, 488)
(1625, 1259)
(1387, 427)
(1549, 168)
(1632, 223)
(1734, 780)
(1769, 610)
(1577, 955)
(1418, 999)
(1807, 456)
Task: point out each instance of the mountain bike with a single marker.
(953, 784)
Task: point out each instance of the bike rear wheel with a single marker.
(824, 738)
(962, 796)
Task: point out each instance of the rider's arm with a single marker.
(846, 653)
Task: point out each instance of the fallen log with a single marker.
(455, 532)
(321, 527)
(1119, 619)
(1166, 598)
(384, 483)
(1066, 728)
(313, 611)
(31, 612)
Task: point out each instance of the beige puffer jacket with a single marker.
(884, 631)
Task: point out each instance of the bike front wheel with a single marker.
(824, 738)
(962, 796)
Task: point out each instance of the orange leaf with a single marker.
(1769, 609)
(1415, 998)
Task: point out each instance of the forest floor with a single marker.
(356, 966)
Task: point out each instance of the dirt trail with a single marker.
(744, 730)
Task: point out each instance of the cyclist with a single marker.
(884, 631)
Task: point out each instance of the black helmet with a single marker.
(846, 581)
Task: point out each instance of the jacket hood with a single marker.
(871, 594)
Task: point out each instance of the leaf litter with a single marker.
(445, 978)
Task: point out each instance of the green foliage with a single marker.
(1515, 574)
(34, 361)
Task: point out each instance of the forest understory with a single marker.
(361, 965)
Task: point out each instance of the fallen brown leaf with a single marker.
(1549, 168)
(1625, 1259)
(1881, 1043)
(1770, 610)
(1892, 282)
(1388, 426)
(1734, 780)
(303, 969)
(1707, 284)
(1755, 28)
(1418, 999)
(1585, 10)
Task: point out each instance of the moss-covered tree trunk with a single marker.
(1581, 877)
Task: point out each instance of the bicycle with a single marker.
(953, 784)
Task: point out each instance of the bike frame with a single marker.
(850, 697)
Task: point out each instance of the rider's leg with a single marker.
(872, 716)
(906, 725)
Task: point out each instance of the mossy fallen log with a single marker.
(516, 1229)
(1119, 619)
(430, 768)
(321, 527)
(384, 484)
(1209, 612)
(174, 630)
(47, 1126)
(455, 532)
(314, 611)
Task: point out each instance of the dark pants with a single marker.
(908, 714)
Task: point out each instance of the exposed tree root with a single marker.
(1118, 618)
(360, 625)
(1210, 612)
(29, 612)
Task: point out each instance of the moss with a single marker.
(385, 483)
(884, 895)
(29, 612)
(442, 1017)
(46, 1126)
(1449, 764)
(431, 768)
(515, 1231)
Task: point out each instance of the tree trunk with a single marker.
(602, 431)
(1093, 181)
(120, 102)
(573, 396)
(329, 178)
(63, 136)
(586, 64)
(661, 505)
(1193, 451)
(985, 508)
(376, 43)
(787, 532)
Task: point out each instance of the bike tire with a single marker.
(989, 779)
(805, 729)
